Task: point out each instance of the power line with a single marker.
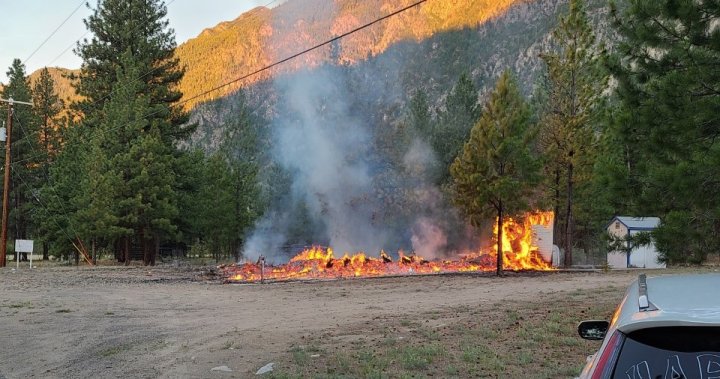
(68, 48)
(88, 32)
(115, 89)
(47, 175)
(54, 31)
(265, 68)
(303, 52)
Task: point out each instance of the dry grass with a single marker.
(535, 339)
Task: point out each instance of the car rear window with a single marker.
(670, 353)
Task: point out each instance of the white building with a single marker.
(641, 256)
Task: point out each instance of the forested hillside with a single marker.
(373, 142)
(262, 36)
(399, 118)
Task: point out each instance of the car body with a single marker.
(665, 327)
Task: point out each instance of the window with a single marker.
(670, 353)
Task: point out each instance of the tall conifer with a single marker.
(495, 174)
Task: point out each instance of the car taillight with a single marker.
(606, 361)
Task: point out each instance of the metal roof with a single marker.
(638, 222)
(681, 300)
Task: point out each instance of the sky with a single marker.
(26, 24)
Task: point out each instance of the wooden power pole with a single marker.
(6, 182)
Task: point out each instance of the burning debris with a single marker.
(520, 252)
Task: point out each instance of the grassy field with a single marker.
(532, 339)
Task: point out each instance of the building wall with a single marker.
(543, 239)
(617, 229)
(617, 259)
(640, 257)
(645, 256)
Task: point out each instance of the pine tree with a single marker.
(240, 147)
(495, 173)
(130, 105)
(567, 135)
(141, 27)
(147, 201)
(47, 108)
(420, 117)
(24, 153)
(667, 125)
(454, 123)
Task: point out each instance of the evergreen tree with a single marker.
(147, 201)
(141, 27)
(420, 117)
(240, 148)
(496, 172)
(47, 108)
(454, 123)
(128, 82)
(666, 127)
(60, 198)
(567, 137)
(24, 154)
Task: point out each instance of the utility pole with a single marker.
(6, 182)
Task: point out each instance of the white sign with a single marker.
(24, 246)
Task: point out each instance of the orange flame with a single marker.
(317, 262)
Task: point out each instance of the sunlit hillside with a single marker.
(63, 85)
(262, 36)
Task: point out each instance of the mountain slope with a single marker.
(263, 36)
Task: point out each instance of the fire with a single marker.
(317, 262)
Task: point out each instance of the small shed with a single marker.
(641, 256)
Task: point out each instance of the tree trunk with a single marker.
(236, 250)
(126, 247)
(144, 246)
(499, 239)
(569, 219)
(556, 210)
(94, 254)
(46, 253)
(155, 250)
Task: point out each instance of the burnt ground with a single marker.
(174, 322)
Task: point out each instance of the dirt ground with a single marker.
(174, 322)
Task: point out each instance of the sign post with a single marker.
(23, 246)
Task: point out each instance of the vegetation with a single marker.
(529, 339)
(496, 172)
(24, 175)
(128, 172)
(575, 86)
(662, 155)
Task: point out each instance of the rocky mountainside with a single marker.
(263, 36)
(425, 47)
(384, 79)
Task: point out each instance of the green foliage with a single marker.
(666, 126)
(226, 198)
(115, 25)
(420, 117)
(47, 108)
(114, 181)
(567, 136)
(454, 124)
(24, 174)
(496, 172)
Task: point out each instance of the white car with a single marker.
(666, 327)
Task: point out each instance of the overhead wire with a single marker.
(16, 173)
(54, 31)
(39, 155)
(265, 68)
(291, 57)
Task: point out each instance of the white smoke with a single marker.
(429, 239)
